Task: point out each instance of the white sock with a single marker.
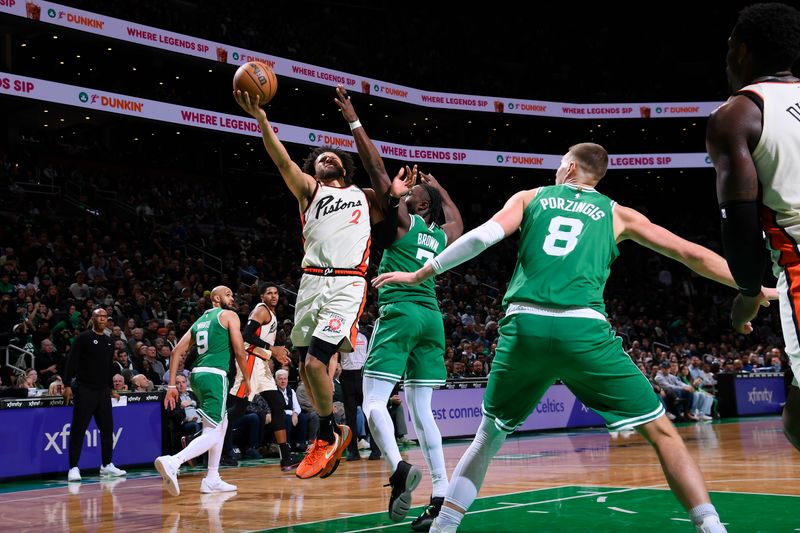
(430, 439)
(449, 517)
(471, 469)
(701, 511)
(215, 452)
(376, 396)
(200, 445)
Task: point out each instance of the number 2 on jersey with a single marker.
(356, 216)
(201, 338)
(562, 236)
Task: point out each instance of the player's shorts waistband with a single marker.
(532, 309)
(331, 271)
(210, 370)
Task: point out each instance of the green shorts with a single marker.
(211, 389)
(535, 350)
(408, 338)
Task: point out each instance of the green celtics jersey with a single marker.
(212, 340)
(566, 249)
(408, 254)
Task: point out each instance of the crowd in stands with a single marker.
(152, 264)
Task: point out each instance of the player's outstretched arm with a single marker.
(630, 224)
(370, 158)
(301, 184)
(453, 225)
(502, 224)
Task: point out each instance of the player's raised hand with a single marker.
(345, 105)
(250, 105)
(430, 180)
(403, 181)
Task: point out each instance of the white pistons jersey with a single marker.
(777, 160)
(261, 378)
(266, 332)
(336, 229)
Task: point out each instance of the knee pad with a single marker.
(322, 350)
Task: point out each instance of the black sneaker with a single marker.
(374, 455)
(228, 460)
(424, 521)
(290, 463)
(404, 480)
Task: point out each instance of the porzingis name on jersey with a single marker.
(428, 241)
(324, 207)
(590, 210)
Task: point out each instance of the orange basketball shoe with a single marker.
(344, 441)
(323, 458)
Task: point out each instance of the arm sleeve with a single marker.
(250, 336)
(743, 240)
(468, 246)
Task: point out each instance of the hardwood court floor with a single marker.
(572, 481)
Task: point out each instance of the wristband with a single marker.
(355, 124)
(172, 386)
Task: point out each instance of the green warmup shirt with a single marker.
(408, 254)
(212, 340)
(566, 249)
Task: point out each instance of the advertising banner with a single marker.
(457, 412)
(36, 440)
(759, 395)
(84, 97)
(76, 19)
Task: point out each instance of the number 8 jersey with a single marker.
(336, 229)
(212, 340)
(566, 249)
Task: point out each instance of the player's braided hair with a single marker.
(435, 204)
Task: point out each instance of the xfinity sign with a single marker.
(59, 441)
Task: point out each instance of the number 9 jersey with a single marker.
(212, 340)
(566, 249)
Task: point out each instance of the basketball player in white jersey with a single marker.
(754, 141)
(336, 217)
(259, 343)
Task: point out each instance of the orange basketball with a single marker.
(257, 79)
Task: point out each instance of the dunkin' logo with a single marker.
(113, 102)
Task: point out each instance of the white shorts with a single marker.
(328, 308)
(260, 378)
(788, 304)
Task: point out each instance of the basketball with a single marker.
(256, 78)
